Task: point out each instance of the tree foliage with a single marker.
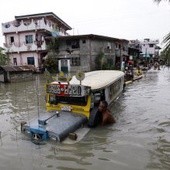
(51, 62)
(166, 41)
(158, 1)
(53, 45)
(102, 63)
(4, 59)
(165, 56)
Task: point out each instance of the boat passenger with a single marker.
(107, 117)
(138, 71)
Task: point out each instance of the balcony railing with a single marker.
(36, 46)
(15, 27)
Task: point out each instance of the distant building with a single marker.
(25, 40)
(135, 50)
(82, 50)
(27, 37)
(150, 48)
(142, 51)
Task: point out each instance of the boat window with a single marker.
(52, 99)
(82, 101)
(97, 98)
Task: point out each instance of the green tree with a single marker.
(53, 45)
(158, 1)
(4, 59)
(51, 62)
(165, 56)
(166, 51)
(166, 41)
(102, 63)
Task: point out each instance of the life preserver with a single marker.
(36, 136)
(37, 139)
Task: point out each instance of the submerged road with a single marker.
(140, 139)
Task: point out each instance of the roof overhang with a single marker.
(47, 14)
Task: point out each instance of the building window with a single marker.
(15, 61)
(83, 41)
(30, 61)
(11, 39)
(75, 44)
(151, 45)
(68, 42)
(29, 39)
(75, 61)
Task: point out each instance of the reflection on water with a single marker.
(139, 139)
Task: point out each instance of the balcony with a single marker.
(15, 26)
(36, 46)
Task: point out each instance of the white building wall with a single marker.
(22, 58)
(8, 39)
(17, 56)
(22, 37)
(19, 39)
(148, 50)
(148, 47)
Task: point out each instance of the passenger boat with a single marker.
(73, 104)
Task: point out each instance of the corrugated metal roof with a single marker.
(19, 68)
(93, 36)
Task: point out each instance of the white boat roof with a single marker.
(99, 79)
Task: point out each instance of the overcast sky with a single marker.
(127, 19)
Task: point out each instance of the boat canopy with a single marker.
(99, 79)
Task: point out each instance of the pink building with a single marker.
(25, 37)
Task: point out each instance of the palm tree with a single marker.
(158, 1)
(166, 41)
(166, 51)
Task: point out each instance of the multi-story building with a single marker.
(144, 51)
(82, 50)
(135, 50)
(25, 40)
(150, 48)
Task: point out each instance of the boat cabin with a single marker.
(82, 96)
(71, 104)
(62, 96)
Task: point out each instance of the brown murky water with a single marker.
(140, 139)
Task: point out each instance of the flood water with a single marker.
(140, 139)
